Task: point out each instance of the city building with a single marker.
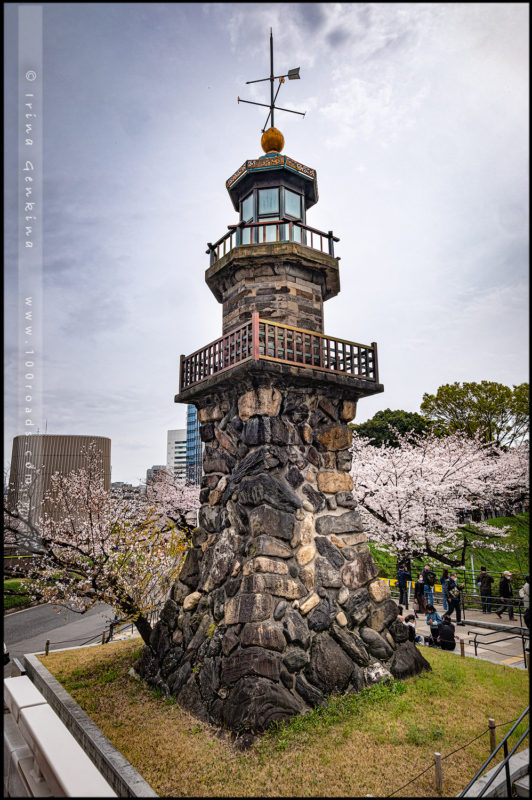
(176, 452)
(152, 471)
(37, 456)
(194, 447)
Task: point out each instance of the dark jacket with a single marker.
(505, 588)
(447, 632)
(429, 577)
(402, 577)
(485, 580)
(418, 589)
(451, 585)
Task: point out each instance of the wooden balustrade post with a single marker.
(375, 362)
(462, 648)
(255, 336)
(438, 782)
(493, 735)
(331, 243)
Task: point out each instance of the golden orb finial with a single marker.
(272, 141)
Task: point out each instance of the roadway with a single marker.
(27, 631)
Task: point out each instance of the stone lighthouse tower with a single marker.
(278, 603)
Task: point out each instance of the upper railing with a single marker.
(261, 339)
(275, 230)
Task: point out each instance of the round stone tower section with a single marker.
(278, 604)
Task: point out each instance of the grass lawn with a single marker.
(20, 600)
(371, 743)
(516, 560)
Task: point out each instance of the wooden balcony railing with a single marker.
(275, 230)
(261, 339)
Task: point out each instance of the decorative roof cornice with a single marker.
(269, 162)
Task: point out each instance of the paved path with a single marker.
(499, 640)
(27, 631)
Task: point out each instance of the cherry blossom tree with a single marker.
(124, 548)
(409, 496)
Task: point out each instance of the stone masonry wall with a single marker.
(278, 603)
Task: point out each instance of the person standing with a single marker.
(444, 582)
(484, 581)
(506, 594)
(419, 594)
(429, 579)
(403, 576)
(524, 594)
(453, 598)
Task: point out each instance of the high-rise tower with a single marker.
(278, 603)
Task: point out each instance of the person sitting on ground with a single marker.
(446, 638)
(433, 621)
(410, 622)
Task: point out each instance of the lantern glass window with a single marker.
(268, 202)
(292, 204)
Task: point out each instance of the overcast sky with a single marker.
(417, 125)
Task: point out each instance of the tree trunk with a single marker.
(144, 628)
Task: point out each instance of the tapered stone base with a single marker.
(278, 603)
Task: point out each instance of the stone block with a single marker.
(312, 696)
(360, 571)
(303, 530)
(248, 608)
(341, 619)
(375, 673)
(349, 521)
(332, 482)
(383, 615)
(376, 644)
(330, 668)
(191, 601)
(329, 551)
(295, 629)
(352, 539)
(309, 603)
(295, 659)
(265, 400)
(344, 460)
(266, 489)
(348, 410)
(210, 413)
(263, 564)
(263, 634)
(226, 443)
(326, 574)
(305, 554)
(268, 546)
(255, 703)
(379, 590)
(335, 437)
(275, 584)
(307, 577)
(352, 644)
(271, 521)
(250, 661)
(408, 661)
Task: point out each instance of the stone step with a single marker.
(522, 786)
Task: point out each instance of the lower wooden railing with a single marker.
(271, 341)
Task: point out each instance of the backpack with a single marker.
(431, 578)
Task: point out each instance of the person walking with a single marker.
(446, 638)
(419, 594)
(444, 582)
(403, 576)
(453, 598)
(506, 594)
(484, 581)
(524, 594)
(429, 579)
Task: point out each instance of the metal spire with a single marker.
(292, 74)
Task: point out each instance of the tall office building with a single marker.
(176, 453)
(194, 447)
(49, 453)
(151, 473)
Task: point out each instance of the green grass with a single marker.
(18, 600)
(369, 743)
(516, 560)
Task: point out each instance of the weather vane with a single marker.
(292, 74)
